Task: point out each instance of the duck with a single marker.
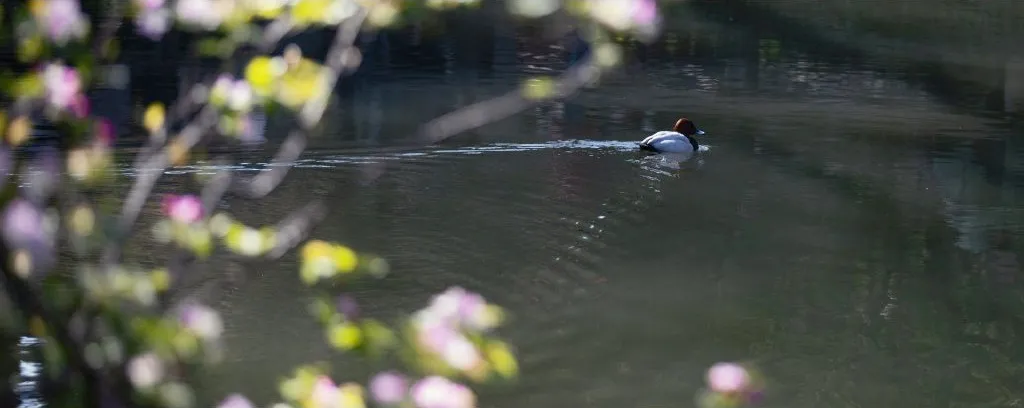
(678, 140)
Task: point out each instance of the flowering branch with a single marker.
(149, 173)
(447, 345)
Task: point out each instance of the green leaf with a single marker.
(208, 47)
(28, 86)
(31, 48)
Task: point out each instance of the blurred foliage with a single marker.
(110, 334)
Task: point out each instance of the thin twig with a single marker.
(261, 185)
(181, 107)
(297, 225)
(487, 111)
(294, 228)
(215, 188)
(275, 31)
(264, 183)
(148, 175)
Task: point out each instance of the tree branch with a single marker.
(108, 26)
(484, 112)
(148, 175)
(261, 185)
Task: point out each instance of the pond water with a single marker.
(852, 234)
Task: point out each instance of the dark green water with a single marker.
(850, 232)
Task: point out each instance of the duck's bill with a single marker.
(700, 132)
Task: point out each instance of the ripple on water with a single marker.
(534, 241)
(531, 233)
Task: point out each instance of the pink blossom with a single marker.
(203, 13)
(201, 320)
(439, 392)
(63, 20)
(436, 335)
(153, 23)
(645, 12)
(325, 393)
(728, 378)
(472, 311)
(460, 353)
(24, 228)
(348, 307)
(223, 83)
(446, 304)
(62, 85)
(22, 221)
(240, 96)
(235, 401)
(80, 106)
(145, 370)
(185, 208)
(388, 388)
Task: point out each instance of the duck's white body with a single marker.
(668, 141)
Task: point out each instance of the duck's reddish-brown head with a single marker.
(686, 127)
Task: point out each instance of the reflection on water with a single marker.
(848, 232)
(27, 386)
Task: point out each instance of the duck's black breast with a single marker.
(693, 142)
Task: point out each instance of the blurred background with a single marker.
(854, 227)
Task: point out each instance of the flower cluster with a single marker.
(88, 162)
(185, 224)
(192, 332)
(389, 388)
(62, 87)
(234, 94)
(243, 239)
(236, 99)
(322, 260)
(203, 14)
(640, 16)
(731, 385)
(152, 18)
(201, 321)
(449, 336)
(290, 79)
(450, 330)
(440, 392)
(29, 233)
(310, 387)
(183, 209)
(107, 286)
(60, 21)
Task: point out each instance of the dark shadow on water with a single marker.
(928, 68)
